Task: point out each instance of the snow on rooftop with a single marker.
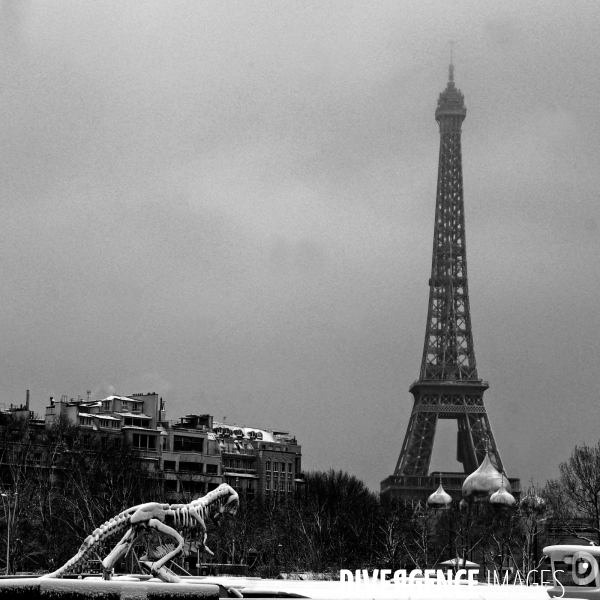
(267, 436)
(134, 415)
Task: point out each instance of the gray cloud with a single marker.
(232, 204)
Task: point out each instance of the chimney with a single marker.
(27, 400)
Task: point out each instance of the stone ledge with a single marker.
(78, 589)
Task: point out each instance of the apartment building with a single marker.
(182, 451)
(260, 461)
(191, 457)
(194, 454)
(134, 418)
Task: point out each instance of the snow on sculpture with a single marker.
(142, 519)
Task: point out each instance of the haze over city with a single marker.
(232, 204)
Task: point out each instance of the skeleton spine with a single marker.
(111, 527)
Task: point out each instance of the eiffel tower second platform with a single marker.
(461, 401)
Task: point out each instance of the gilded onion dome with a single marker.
(532, 503)
(440, 499)
(485, 481)
(502, 498)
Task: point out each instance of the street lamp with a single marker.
(7, 496)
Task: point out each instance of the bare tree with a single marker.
(19, 454)
(501, 530)
(96, 478)
(574, 498)
(534, 525)
(391, 535)
(425, 544)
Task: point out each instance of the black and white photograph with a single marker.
(300, 299)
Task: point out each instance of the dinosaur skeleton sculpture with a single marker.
(166, 519)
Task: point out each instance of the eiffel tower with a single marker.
(448, 386)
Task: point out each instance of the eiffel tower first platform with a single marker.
(448, 386)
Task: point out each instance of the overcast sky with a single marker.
(231, 204)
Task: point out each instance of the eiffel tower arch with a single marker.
(448, 386)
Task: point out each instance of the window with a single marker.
(131, 422)
(193, 487)
(268, 465)
(169, 465)
(289, 486)
(212, 469)
(171, 485)
(190, 467)
(275, 466)
(289, 467)
(268, 485)
(211, 486)
(188, 444)
(144, 442)
(281, 486)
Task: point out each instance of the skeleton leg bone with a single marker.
(202, 535)
(119, 550)
(160, 526)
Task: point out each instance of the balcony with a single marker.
(234, 455)
(240, 470)
(452, 483)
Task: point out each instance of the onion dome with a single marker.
(502, 498)
(532, 503)
(483, 482)
(439, 500)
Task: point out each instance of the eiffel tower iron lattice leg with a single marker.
(474, 432)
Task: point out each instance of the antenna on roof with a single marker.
(451, 69)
